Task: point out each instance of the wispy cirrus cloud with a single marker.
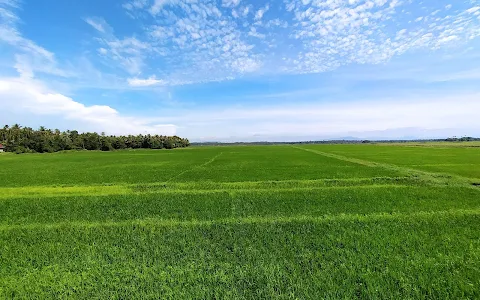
(27, 97)
(128, 52)
(99, 24)
(30, 57)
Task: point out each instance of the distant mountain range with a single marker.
(399, 134)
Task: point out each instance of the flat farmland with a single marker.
(452, 158)
(244, 222)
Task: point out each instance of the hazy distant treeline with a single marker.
(25, 139)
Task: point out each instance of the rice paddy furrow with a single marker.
(252, 220)
(200, 187)
(195, 167)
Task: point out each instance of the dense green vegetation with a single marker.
(303, 221)
(27, 140)
(457, 159)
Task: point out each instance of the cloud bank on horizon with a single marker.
(243, 70)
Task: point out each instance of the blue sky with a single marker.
(241, 70)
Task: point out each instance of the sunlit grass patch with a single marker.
(51, 191)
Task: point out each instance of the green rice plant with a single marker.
(430, 255)
(450, 158)
(242, 222)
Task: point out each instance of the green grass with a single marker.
(245, 222)
(304, 258)
(448, 158)
(219, 205)
(219, 164)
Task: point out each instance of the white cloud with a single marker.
(128, 52)
(29, 64)
(11, 36)
(442, 115)
(6, 15)
(159, 4)
(136, 82)
(197, 41)
(200, 43)
(253, 32)
(447, 39)
(245, 11)
(26, 98)
(259, 14)
(245, 65)
(99, 24)
(473, 9)
(333, 34)
(192, 41)
(30, 57)
(135, 4)
(230, 3)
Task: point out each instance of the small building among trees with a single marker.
(2, 148)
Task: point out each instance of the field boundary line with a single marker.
(215, 190)
(200, 182)
(195, 167)
(373, 217)
(204, 186)
(433, 177)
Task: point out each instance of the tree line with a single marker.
(27, 140)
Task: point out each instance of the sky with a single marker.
(243, 70)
